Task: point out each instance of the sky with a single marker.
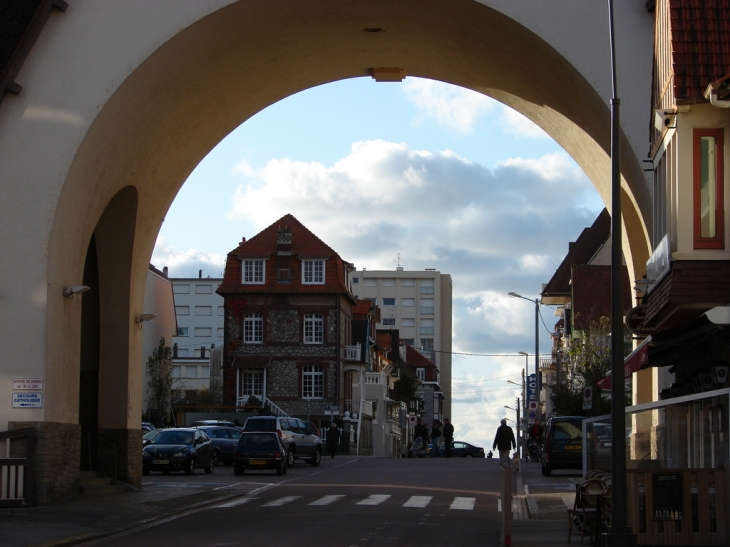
(421, 172)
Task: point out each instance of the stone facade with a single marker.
(58, 451)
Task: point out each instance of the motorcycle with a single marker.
(533, 451)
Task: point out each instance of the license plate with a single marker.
(258, 462)
(160, 462)
(573, 447)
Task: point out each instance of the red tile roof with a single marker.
(304, 244)
(700, 45)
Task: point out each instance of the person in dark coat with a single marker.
(421, 431)
(448, 433)
(504, 441)
(333, 439)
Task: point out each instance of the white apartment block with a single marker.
(418, 304)
(199, 313)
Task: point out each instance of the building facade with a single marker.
(418, 304)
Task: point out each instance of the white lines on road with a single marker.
(418, 501)
(234, 503)
(463, 504)
(327, 500)
(281, 501)
(375, 499)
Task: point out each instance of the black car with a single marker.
(460, 449)
(224, 439)
(298, 437)
(178, 449)
(257, 451)
(147, 437)
(563, 445)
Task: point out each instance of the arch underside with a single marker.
(212, 76)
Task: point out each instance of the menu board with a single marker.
(668, 496)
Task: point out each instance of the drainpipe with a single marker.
(711, 94)
(337, 351)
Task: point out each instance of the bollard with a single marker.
(506, 535)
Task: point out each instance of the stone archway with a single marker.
(209, 70)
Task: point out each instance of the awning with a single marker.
(251, 361)
(633, 363)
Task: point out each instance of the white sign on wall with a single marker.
(27, 383)
(27, 400)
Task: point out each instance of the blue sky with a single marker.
(442, 176)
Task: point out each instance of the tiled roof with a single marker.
(579, 252)
(700, 45)
(304, 244)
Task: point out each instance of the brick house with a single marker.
(287, 321)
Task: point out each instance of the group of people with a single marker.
(434, 435)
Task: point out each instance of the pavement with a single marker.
(539, 519)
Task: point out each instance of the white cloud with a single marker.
(514, 123)
(452, 107)
(187, 263)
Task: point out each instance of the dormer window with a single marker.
(254, 271)
(313, 272)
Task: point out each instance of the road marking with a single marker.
(464, 504)
(327, 500)
(281, 501)
(418, 501)
(234, 503)
(375, 499)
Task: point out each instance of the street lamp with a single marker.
(538, 381)
(520, 432)
(517, 413)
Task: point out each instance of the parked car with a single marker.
(224, 439)
(298, 437)
(178, 449)
(257, 451)
(226, 423)
(563, 445)
(461, 449)
(147, 437)
(146, 426)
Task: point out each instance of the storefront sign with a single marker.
(635, 322)
(531, 388)
(27, 400)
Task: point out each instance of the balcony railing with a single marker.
(375, 378)
(353, 353)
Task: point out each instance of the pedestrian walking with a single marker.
(421, 432)
(504, 441)
(436, 439)
(448, 432)
(333, 439)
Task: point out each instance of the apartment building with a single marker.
(418, 304)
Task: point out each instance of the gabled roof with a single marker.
(700, 45)
(302, 244)
(579, 252)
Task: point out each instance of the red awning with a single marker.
(633, 363)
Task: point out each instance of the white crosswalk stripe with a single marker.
(234, 503)
(463, 504)
(375, 499)
(281, 501)
(327, 500)
(418, 501)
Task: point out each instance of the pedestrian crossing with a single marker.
(458, 503)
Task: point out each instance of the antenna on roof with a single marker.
(399, 266)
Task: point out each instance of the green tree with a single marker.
(159, 383)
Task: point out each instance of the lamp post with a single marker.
(520, 429)
(525, 374)
(538, 380)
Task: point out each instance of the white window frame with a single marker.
(313, 271)
(313, 328)
(250, 383)
(313, 382)
(389, 321)
(253, 271)
(421, 374)
(253, 328)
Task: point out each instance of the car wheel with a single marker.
(189, 467)
(215, 458)
(468, 456)
(317, 458)
(290, 457)
(238, 469)
(280, 469)
(209, 469)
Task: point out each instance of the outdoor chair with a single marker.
(585, 509)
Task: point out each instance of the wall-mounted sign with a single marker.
(531, 388)
(27, 400)
(635, 322)
(27, 383)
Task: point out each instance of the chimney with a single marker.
(164, 271)
(200, 274)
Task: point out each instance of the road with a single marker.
(346, 501)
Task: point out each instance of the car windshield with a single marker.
(567, 431)
(265, 424)
(151, 434)
(174, 437)
(258, 442)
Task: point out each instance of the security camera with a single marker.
(664, 119)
